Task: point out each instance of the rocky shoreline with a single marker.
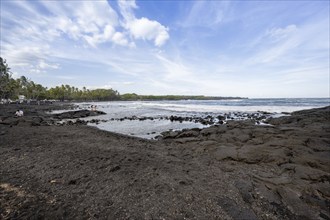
(258, 117)
(40, 117)
(78, 116)
(229, 170)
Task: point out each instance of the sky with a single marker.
(255, 49)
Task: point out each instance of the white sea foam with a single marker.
(189, 107)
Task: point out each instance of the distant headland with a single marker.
(135, 97)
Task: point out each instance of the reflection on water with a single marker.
(145, 129)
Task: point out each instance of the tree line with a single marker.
(11, 88)
(134, 97)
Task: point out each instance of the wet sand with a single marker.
(235, 171)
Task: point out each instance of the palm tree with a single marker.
(5, 76)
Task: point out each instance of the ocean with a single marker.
(119, 114)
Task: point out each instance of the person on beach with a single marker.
(19, 113)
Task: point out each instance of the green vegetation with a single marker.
(5, 79)
(66, 92)
(11, 88)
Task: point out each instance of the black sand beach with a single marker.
(235, 171)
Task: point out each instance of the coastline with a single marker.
(233, 171)
(150, 119)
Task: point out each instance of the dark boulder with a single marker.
(78, 114)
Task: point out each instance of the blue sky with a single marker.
(221, 48)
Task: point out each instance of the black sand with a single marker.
(233, 171)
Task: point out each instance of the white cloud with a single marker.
(174, 70)
(89, 22)
(66, 28)
(276, 43)
(22, 54)
(206, 14)
(43, 65)
(112, 85)
(281, 33)
(95, 22)
(142, 28)
(149, 30)
(120, 39)
(292, 45)
(126, 9)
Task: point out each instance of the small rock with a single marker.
(115, 168)
(72, 182)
